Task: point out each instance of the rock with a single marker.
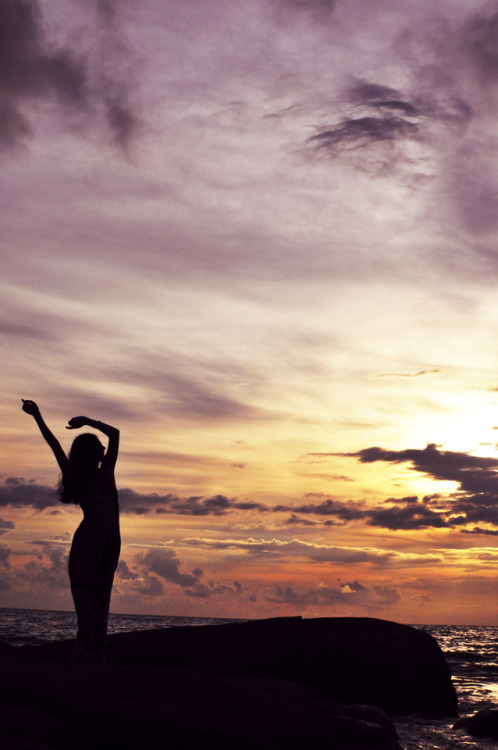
(483, 724)
(90, 707)
(352, 660)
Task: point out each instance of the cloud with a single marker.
(26, 330)
(474, 501)
(478, 530)
(361, 132)
(124, 572)
(294, 520)
(278, 550)
(53, 575)
(476, 498)
(63, 540)
(16, 492)
(32, 70)
(480, 44)
(385, 131)
(312, 6)
(164, 563)
(6, 526)
(190, 398)
(349, 594)
(413, 514)
(196, 505)
(421, 373)
(116, 75)
(328, 507)
(160, 562)
(5, 553)
(149, 585)
(469, 471)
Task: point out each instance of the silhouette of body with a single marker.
(87, 479)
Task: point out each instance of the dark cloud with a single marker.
(349, 512)
(164, 563)
(149, 586)
(16, 492)
(52, 574)
(413, 514)
(471, 472)
(361, 132)
(365, 92)
(124, 572)
(122, 122)
(218, 505)
(294, 520)
(377, 126)
(107, 11)
(32, 70)
(116, 75)
(292, 10)
(349, 594)
(476, 498)
(310, 4)
(480, 43)
(5, 553)
(6, 525)
(477, 530)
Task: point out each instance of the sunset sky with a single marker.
(259, 237)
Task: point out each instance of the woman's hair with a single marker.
(79, 478)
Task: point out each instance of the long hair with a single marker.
(79, 478)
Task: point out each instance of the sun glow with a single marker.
(467, 422)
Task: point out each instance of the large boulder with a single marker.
(353, 660)
(66, 706)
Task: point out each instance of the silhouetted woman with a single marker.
(87, 479)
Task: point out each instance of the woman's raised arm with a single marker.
(30, 407)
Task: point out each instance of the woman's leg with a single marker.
(104, 600)
(86, 603)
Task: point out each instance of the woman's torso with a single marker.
(97, 541)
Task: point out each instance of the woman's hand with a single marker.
(30, 407)
(76, 422)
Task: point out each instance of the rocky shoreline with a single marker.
(325, 683)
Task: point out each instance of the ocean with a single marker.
(471, 652)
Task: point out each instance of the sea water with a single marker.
(472, 655)
(471, 652)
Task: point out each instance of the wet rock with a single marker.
(483, 724)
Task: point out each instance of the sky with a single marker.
(259, 238)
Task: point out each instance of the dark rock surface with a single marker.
(67, 706)
(353, 660)
(482, 724)
(259, 685)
